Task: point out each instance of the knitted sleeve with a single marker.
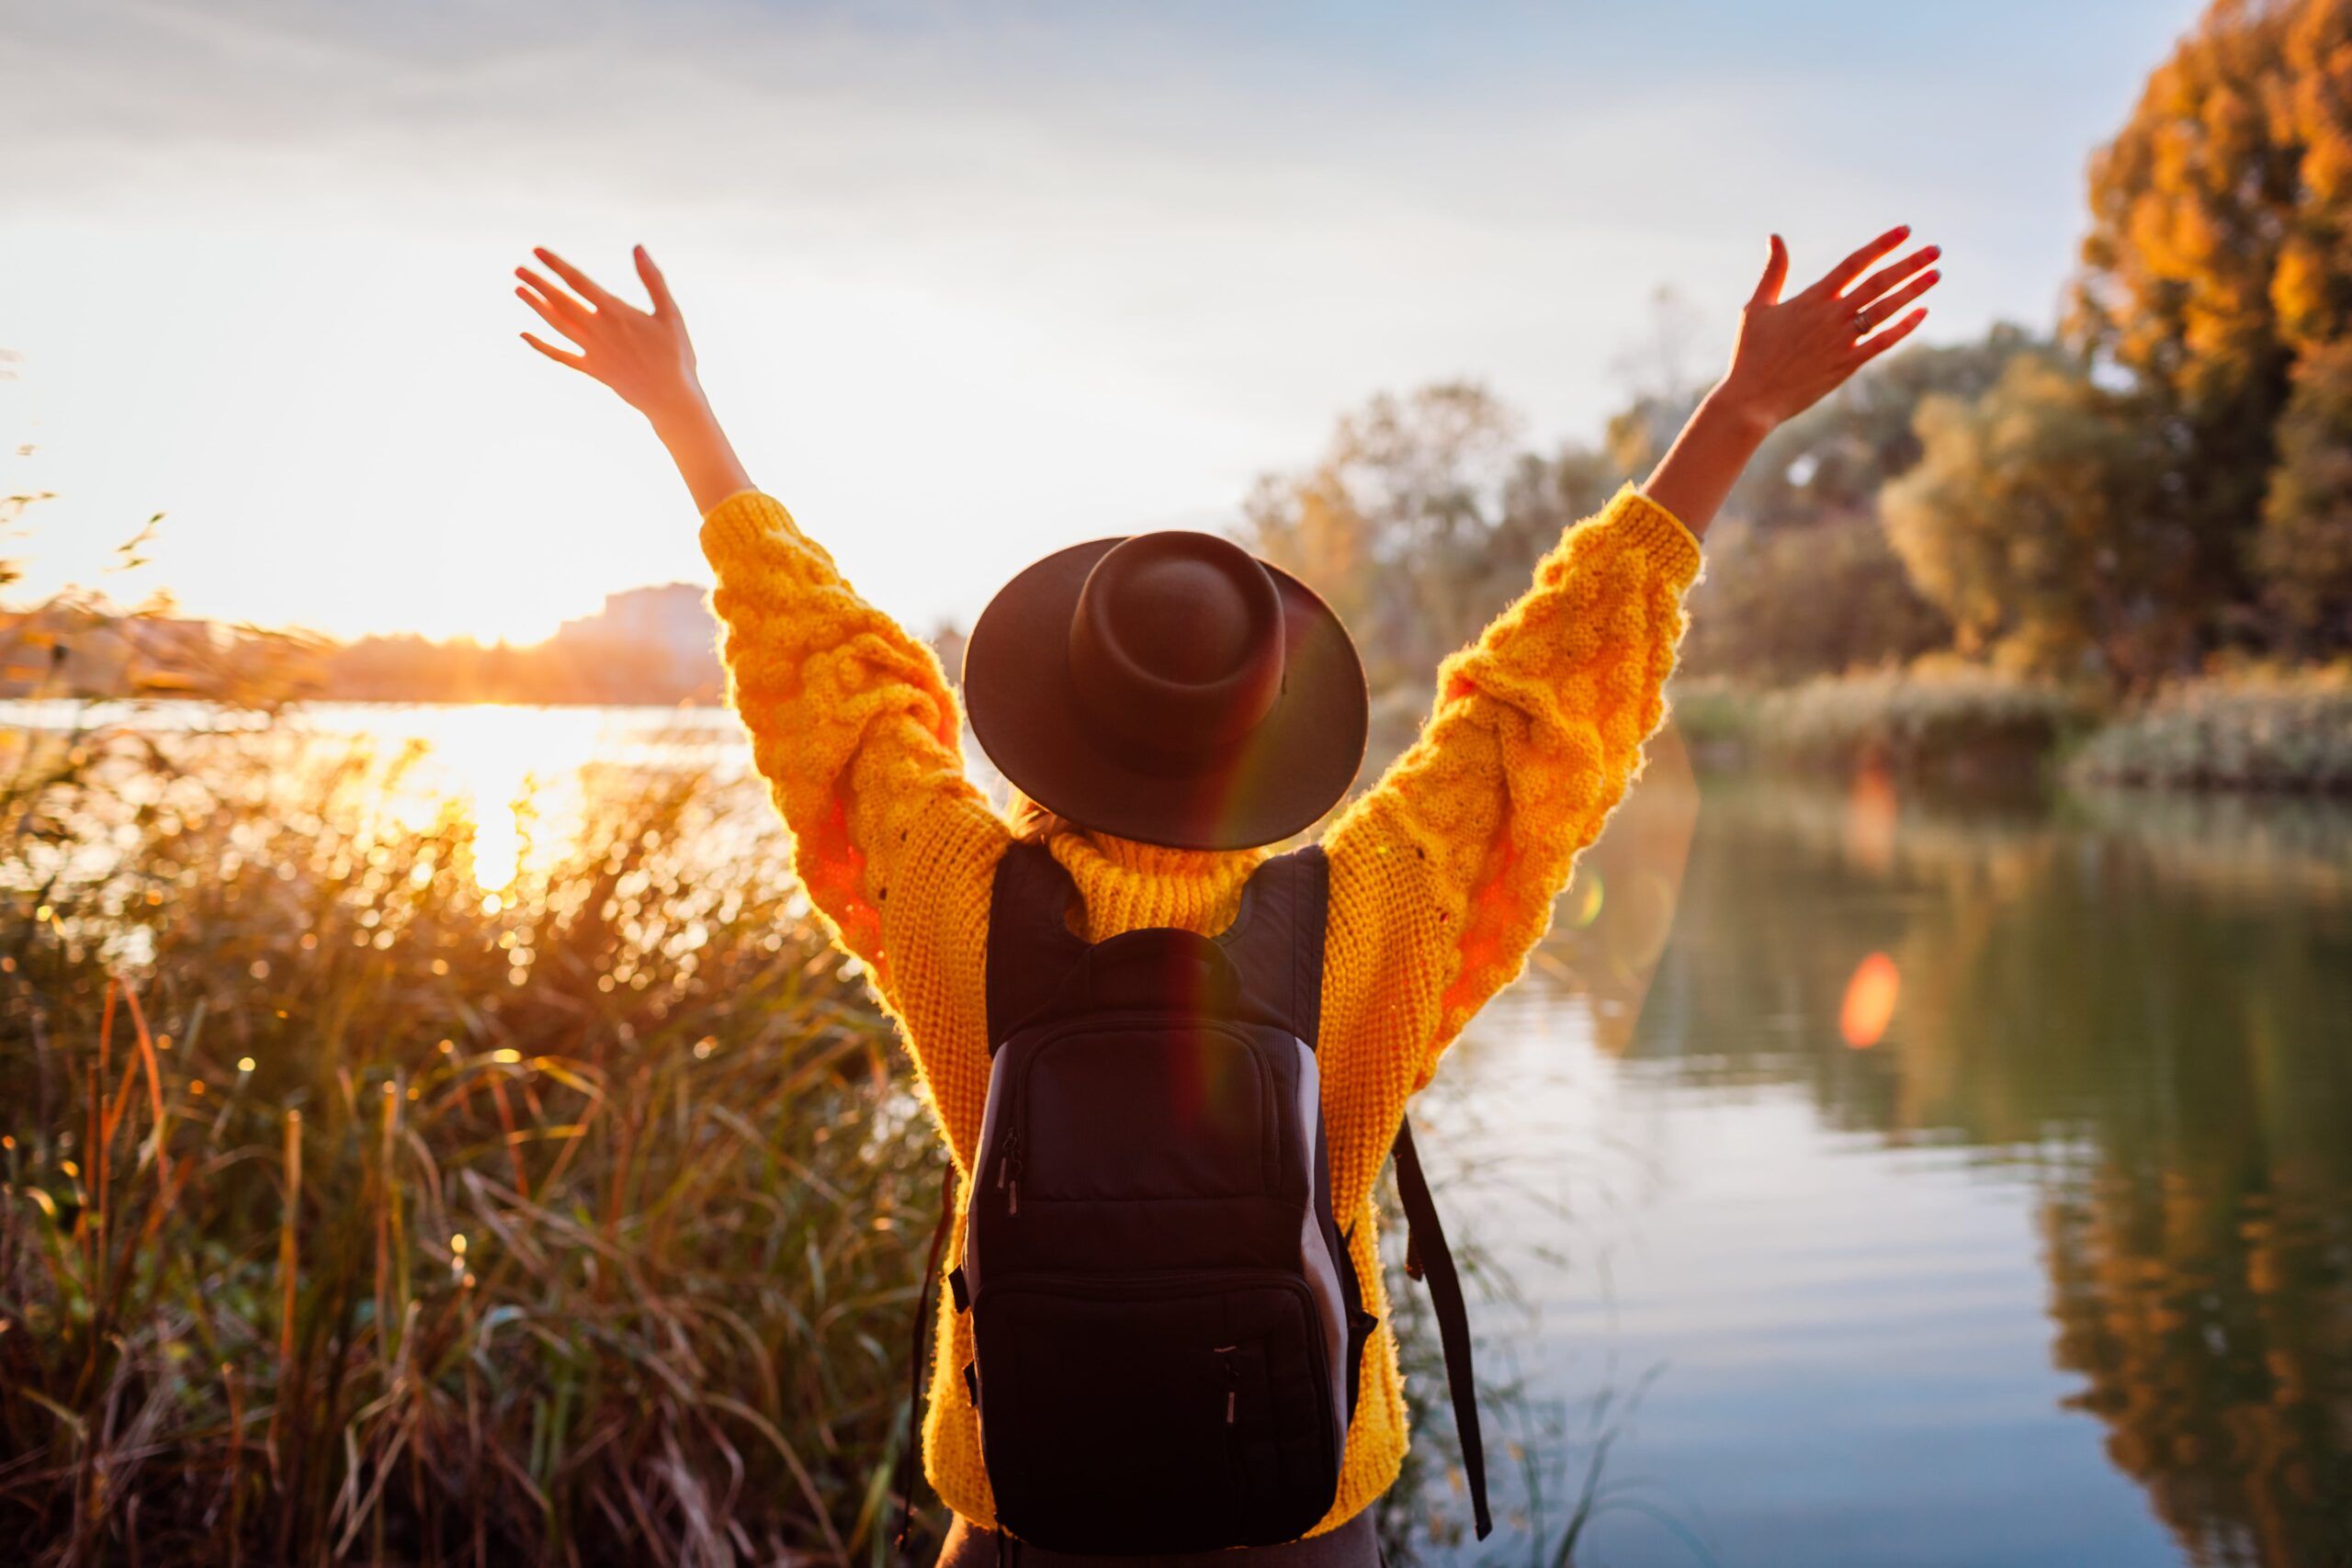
(855, 731)
(1461, 848)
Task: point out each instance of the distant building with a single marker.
(673, 616)
(672, 621)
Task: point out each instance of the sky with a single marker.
(967, 283)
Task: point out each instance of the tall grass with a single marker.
(351, 1213)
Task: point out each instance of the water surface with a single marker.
(2050, 1264)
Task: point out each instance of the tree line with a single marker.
(2162, 476)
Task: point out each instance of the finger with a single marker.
(548, 313)
(1887, 276)
(655, 286)
(1871, 349)
(1892, 274)
(1776, 273)
(1871, 315)
(1846, 271)
(582, 284)
(577, 361)
(557, 299)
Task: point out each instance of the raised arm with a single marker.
(851, 722)
(1539, 725)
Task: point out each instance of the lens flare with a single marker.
(1582, 904)
(1870, 1001)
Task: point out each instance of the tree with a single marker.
(1802, 528)
(2303, 554)
(2216, 260)
(1422, 522)
(1831, 460)
(1781, 603)
(2033, 521)
(1394, 525)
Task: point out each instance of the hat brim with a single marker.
(1290, 769)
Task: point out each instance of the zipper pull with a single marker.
(1008, 1173)
(1224, 1354)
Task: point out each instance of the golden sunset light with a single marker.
(1273, 786)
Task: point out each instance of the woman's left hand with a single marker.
(1792, 353)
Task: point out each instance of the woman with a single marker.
(1440, 877)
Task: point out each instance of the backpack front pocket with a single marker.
(1156, 1413)
(1163, 1109)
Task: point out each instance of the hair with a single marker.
(1033, 823)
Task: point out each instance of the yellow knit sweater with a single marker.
(1442, 875)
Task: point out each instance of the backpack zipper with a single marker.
(1008, 1165)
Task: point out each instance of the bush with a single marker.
(2253, 730)
(1801, 599)
(1950, 718)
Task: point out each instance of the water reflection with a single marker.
(2139, 1009)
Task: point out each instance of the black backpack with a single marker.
(1168, 1329)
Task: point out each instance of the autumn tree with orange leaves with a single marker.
(2217, 277)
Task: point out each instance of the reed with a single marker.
(2288, 731)
(1943, 717)
(355, 1213)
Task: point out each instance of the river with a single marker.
(1971, 1184)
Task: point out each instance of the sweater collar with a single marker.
(1127, 884)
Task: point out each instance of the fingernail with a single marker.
(1934, 251)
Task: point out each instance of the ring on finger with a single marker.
(1862, 322)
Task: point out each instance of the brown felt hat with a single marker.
(1169, 687)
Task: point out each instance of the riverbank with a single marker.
(2253, 730)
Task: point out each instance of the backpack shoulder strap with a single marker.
(1276, 940)
(1428, 1259)
(1031, 947)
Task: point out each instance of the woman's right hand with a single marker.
(643, 356)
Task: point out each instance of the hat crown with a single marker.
(1176, 645)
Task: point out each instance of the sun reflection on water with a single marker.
(523, 776)
(523, 780)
